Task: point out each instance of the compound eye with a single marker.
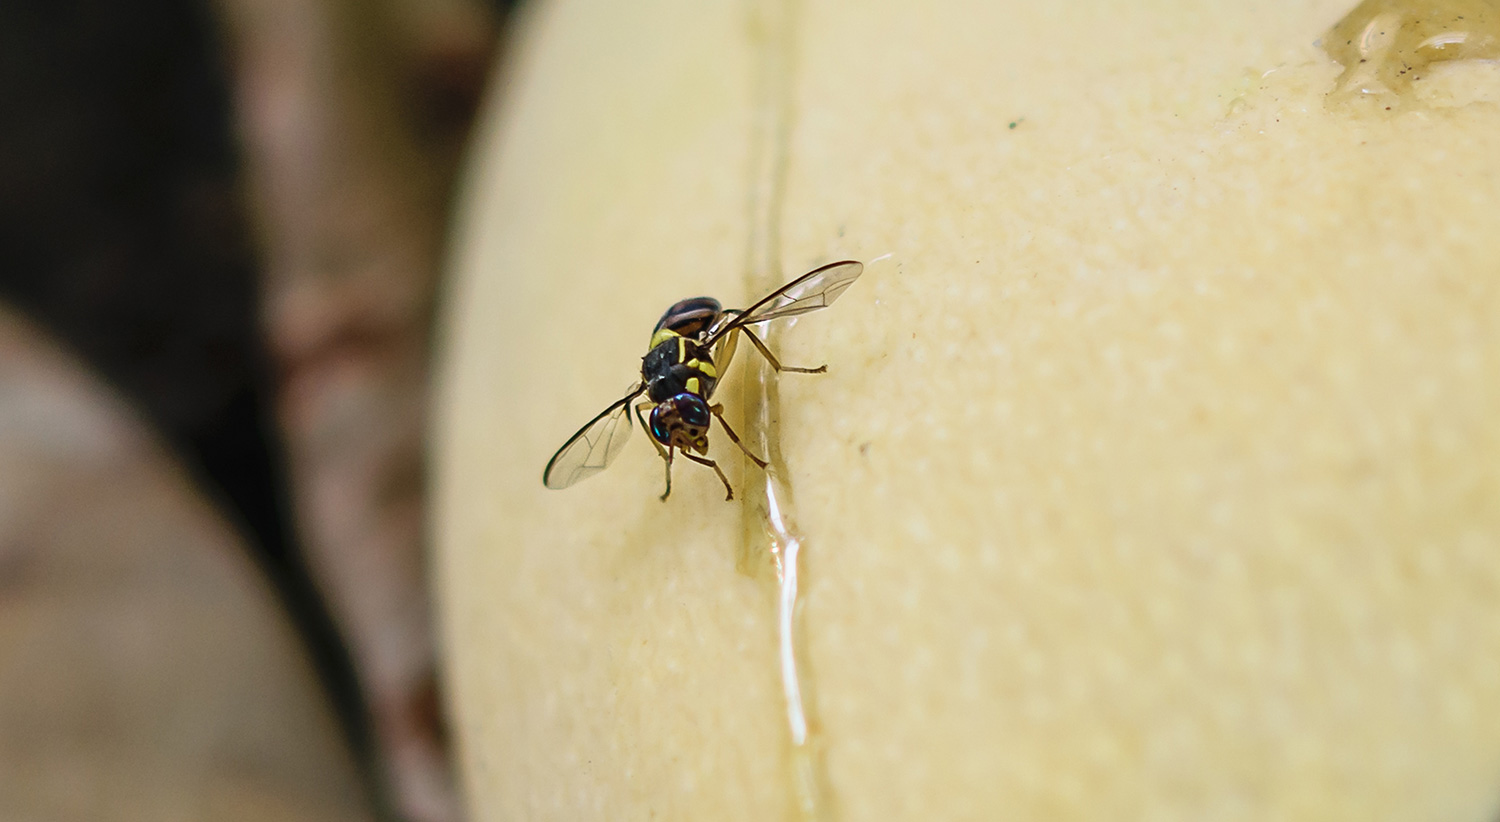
(658, 428)
(693, 411)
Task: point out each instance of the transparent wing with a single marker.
(594, 447)
(814, 290)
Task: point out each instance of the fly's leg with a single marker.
(718, 411)
(667, 457)
(666, 453)
(724, 354)
(728, 490)
(771, 358)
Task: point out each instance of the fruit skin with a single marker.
(1153, 473)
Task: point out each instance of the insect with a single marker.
(691, 346)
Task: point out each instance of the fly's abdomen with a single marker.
(688, 318)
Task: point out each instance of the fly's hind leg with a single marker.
(666, 453)
(771, 358)
(728, 490)
(718, 411)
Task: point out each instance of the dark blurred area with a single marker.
(228, 216)
(124, 233)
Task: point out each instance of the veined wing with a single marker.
(594, 447)
(814, 290)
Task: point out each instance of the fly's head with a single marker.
(682, 422)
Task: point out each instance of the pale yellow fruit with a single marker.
(1156, 473)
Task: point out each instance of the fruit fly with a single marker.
(691, 346)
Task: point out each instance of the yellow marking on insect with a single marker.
(692, 385)
(682, 348)
(662, 336)
(705, 367)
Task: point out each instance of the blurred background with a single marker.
(221, 227)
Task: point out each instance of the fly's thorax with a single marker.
(681, 422)
(678, 365)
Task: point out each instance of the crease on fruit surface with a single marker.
(772, 544)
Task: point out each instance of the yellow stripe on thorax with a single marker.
(662, 336)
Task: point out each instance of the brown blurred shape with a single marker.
(146, 670)
(353, 116)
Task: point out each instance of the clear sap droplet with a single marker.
(1404, 52)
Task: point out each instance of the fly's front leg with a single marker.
(771, 358)
(666, 453)
(667, 457)
(728, 489)
(718, 411)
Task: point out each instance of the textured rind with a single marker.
(1154, 475)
